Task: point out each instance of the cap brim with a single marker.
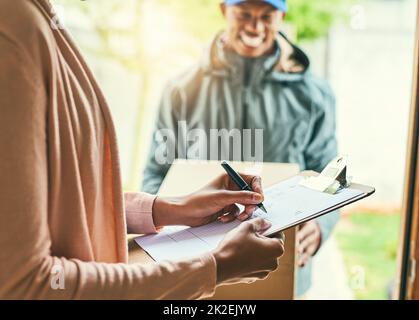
(281, 6)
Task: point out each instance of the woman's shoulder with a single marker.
(25, 22)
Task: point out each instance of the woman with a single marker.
(61, 201)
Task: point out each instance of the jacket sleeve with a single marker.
(165, 142)
(322, 146)
(28, 268)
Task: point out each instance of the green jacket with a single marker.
(276, 93)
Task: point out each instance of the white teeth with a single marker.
(251, 41)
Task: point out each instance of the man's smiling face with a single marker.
(251, 28)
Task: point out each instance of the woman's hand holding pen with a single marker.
(217, 200)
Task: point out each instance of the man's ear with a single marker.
(280, 17)
(223, 9)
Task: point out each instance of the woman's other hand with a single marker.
(232, 254)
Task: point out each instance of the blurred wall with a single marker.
(369, 64)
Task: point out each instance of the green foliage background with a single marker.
(369, 240)
(201, 18)
(310, 18)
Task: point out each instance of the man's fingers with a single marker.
(302, 260)
(306, 255)
(307, 242)
(304, 232)
(311, 250)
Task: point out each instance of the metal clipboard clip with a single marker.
(332, 179)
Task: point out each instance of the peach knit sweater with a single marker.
(61, 202)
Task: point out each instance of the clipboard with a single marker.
(172, 242)
(366, 192)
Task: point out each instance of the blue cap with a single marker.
(281, 5)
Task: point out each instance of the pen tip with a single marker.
(263, 209)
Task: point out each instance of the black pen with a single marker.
(239, 181)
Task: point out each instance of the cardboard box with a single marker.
(188, 176)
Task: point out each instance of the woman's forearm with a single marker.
(168, 211)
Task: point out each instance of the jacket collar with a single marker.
(287, 63)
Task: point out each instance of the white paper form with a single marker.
(286, 203)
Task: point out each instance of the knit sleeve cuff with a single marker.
(139, 212)
(210, 280)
